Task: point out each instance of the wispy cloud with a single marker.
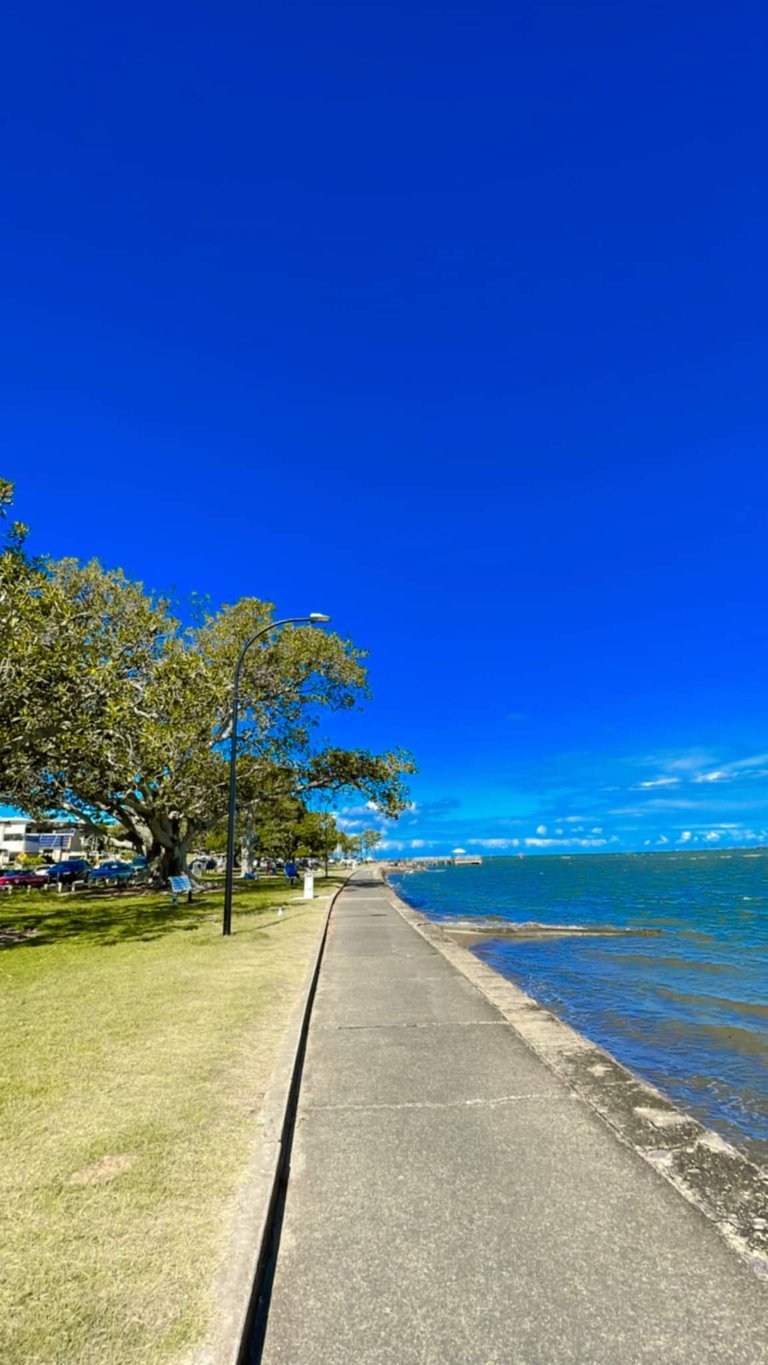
(689, 761)
(699, 765)
(657, 782)
(566, 843)
(658, 803)
(494, 843)
(406, 845)
(743, 769)
(442, 806)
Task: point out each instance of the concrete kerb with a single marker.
(729, 1189)
(239, 1283)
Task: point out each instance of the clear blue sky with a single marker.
(449, 321)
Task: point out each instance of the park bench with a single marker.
(182, 886)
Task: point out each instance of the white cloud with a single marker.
(699, 767)
(368, 814)
(401, 845)
(657, 803)
(692, 761)
(757, 761)
(344, 823)
(541, 829)
(662, 839)
(745, 768)
(712, 835)
(494, 843)
(685, 837)
(658, 782)
(598, 829)
(565, 843)
(558, 831)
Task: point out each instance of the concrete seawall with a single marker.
(709, 1172)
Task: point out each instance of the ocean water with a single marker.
(686, 1008)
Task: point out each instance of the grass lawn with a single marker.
(135, 1047)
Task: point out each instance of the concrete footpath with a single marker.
(452, 1202)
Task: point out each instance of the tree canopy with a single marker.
(112, 706)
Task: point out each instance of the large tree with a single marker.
(110, 706)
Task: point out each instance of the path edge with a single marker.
(720, 1181)
(238, 1284)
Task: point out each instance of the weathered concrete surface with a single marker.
(453, 1202)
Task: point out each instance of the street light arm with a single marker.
(265, 630)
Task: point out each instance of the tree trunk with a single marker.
(173, 860)
(247, 847)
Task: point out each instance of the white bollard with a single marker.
(309, 886)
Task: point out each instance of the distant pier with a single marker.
(446, 860)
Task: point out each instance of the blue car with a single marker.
(114, 871)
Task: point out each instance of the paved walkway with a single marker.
(451, 1202)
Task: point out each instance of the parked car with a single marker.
(112, 871)
(68, 871)
(21, 877)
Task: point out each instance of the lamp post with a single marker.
(314, 618)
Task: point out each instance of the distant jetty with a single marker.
(434, 860)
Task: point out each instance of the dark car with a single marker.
(113, 871)
(68, 871)
(22, 878)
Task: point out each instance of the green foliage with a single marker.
(367, 841)
(280, 826)
(15, 537)
(111, 708)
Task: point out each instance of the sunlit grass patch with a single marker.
(135, 1046)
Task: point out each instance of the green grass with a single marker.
(135, 1047)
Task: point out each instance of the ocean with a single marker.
(686, 1008)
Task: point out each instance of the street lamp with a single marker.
(315, 618)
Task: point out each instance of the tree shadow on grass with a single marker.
(111, 920)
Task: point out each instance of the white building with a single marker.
(20, 834)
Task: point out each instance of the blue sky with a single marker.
(448, 321)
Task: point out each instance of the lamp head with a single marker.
(317, 618)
